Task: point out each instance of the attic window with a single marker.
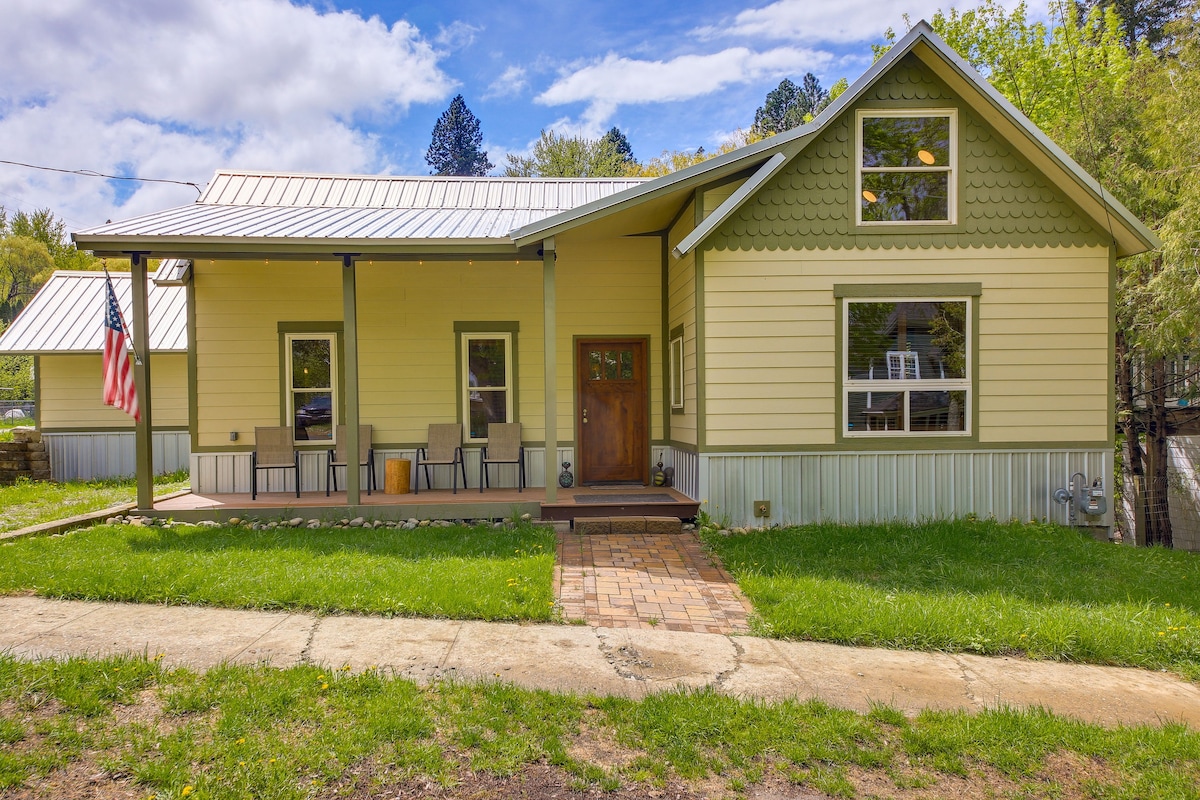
(906, 166)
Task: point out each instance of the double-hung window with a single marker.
(906, 366)
(487, 381)
(906, 166)
(311, 378)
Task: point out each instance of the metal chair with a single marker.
(338, 457)
(274, 448)
(444, 449)
(503, 447)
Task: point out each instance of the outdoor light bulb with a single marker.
(869, 196)
(926, 157)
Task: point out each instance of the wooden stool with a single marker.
(397, 475)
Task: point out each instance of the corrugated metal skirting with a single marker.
(97, 456)
(864, 487)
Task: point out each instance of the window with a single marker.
(906, 166)
(677, 370)
(312, 376)
(907, 367)
(487, 394)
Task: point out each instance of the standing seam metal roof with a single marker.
(67, 315)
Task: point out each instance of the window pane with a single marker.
(875, 411)
(310, 364)
(488, 406)
(899, 196)
(610, 365)
(594, 372)
(677, 373)
(937, 411)
(314, 415)
(906, 141)
(486, 362)
(626, 365)
(907, 341)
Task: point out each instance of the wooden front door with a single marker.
(612, 411)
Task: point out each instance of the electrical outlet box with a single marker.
(762, 508)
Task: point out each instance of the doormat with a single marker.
(605, 499)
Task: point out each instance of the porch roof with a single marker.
(302, 213)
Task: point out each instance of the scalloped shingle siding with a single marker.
(1003, 201)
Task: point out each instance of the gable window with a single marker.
(487, 391)
(906, 166)
(676, 368)
(907, 367)
(311, 378)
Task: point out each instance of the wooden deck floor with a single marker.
(438, 504)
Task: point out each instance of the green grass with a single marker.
(973, 586)
(456, 572)
(26, 502)
(241, 731)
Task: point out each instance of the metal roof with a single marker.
(67, 315)
(172, 270)
(288, 206)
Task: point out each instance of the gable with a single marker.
(1003, 201)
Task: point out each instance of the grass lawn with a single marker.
(974, 586)
(457, 572)
(128, 727)
(28, 503)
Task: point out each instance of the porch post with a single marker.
(143, 438)
(350, 345)
(550, 345)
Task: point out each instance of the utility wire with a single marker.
(90, 173)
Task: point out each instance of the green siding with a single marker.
(1003, 201)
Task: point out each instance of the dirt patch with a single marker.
(80, 780)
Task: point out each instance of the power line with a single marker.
(89, 173)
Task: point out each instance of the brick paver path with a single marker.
(645, 581)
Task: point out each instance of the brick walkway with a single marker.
(646, 581)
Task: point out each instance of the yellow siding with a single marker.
(713, 198)
(239, 305)
(407, 342)
(72, 388)
(681, 310)
(770, 340)
(608, 287)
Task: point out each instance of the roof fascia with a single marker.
(278, 247)
(731, 204)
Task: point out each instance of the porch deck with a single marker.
(580, 501)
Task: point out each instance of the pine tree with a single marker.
(788, 105)
(454, 149)
(620, 144)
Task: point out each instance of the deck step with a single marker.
(603, 526)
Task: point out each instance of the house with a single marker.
(62, 327)
(900, 310)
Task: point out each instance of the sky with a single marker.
(176, 89)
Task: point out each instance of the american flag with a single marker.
(119, 390)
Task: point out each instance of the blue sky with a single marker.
(175, 90)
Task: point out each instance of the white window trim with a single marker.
(333, 383)
(951, 168)
(465, 379)
(676, 368)
(906, 386)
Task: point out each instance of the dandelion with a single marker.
(272, 761)
(242, 740)
(324, 686)
(186, 791)
(241, 763)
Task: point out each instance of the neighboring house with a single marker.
(901, 310)
(63, 329)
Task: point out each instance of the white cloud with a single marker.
(511, 82)
(178, 89)
(457, 35)
(842, 22)
(614, 81)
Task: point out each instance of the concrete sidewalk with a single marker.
(629, 662)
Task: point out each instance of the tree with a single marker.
(454, 149)
(788, 105)
(25, 264)
(1143, 21)
(557, 156)
(674, 160)
(621, 144)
